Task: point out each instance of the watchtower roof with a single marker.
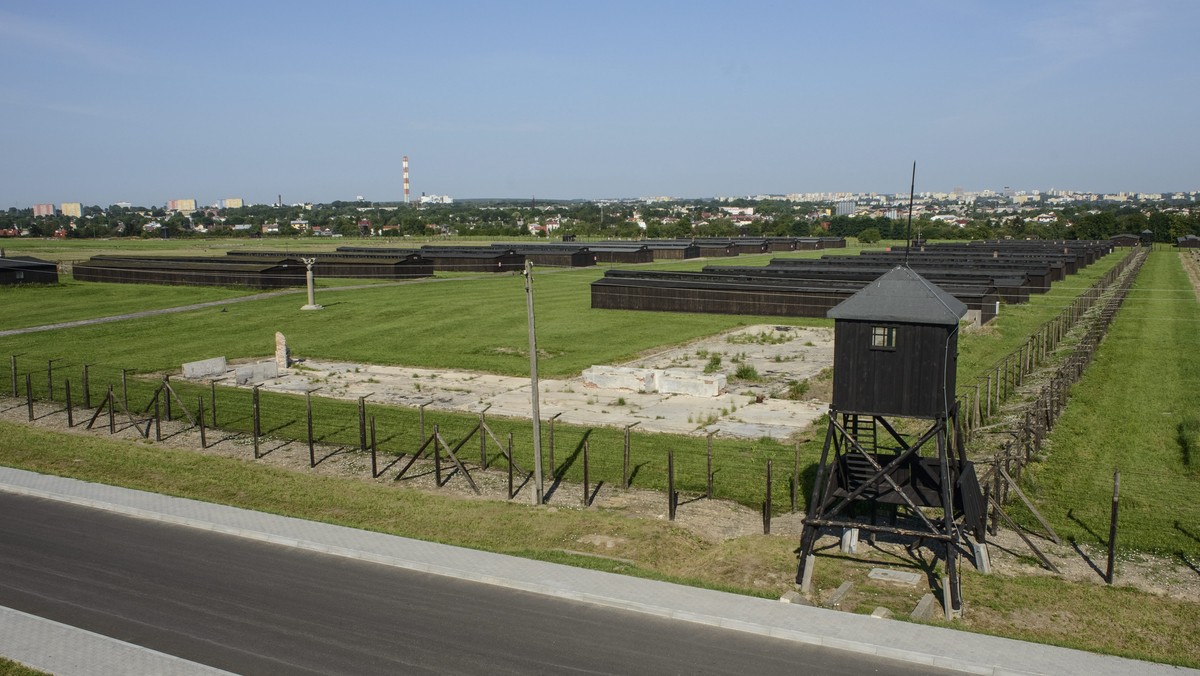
(901, 295)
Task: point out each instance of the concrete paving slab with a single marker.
(64, 650)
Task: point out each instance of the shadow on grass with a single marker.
(1187, 434)
(592, 498)
(385, 468)
(559, 472)
(1095, 536)
(1188, 562)
(281, 426)
(1192, 536)
(634, 472)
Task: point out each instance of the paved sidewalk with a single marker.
(973, 653)
(61, 649)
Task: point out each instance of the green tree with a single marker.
(869, 236)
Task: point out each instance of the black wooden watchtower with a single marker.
(895, 356)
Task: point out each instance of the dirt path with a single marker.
(1191, 264)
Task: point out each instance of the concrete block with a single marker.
(806, 583)
(839, 595)
(690, 382)
(282, 354)
(796, 598)
(983, 560)
(850, 541)
(882, 613)
(620, 378)
(256, 373)
(903, 577)
(666, 381)
(205, 368)
(927, 609)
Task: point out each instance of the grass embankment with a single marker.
(1136, 410)
(980, 349)
(1083, 616)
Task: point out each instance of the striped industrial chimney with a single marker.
(404, 166)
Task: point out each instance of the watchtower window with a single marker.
(883, 337)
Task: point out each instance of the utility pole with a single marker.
(308, 277)
(533, 381)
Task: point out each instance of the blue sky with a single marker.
(148, 101)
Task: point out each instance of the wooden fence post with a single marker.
(87, 391)
(671, 485)
(200, 421)
(255, 426)
(625, 460)
(553, 471)
(421, 419)
(510, 466)
(362, 424)
(312, 456)
(437, 458)
(374, 451)
(167, 396)
(29, 394)
(766, 513)
(212, 389)
(70, 413)
(988, 415)
(112, 421)
(13, 366)
(1112, 528)
(585, 473)
(483, 459)
(157, 417)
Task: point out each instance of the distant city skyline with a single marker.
(144, 103)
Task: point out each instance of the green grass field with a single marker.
(70, 300)
(1137, 409)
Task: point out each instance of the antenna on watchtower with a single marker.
(912, 188)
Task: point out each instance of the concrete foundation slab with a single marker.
(256, 373)
(895, 576)
(205, 368)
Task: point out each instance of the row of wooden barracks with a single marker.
(981, 275)
(788, 287)
(281, 269)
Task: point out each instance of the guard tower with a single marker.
(895, 356)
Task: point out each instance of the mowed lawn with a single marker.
(1137, 409)
(23, 306)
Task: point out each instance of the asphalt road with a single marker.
(256, 608)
